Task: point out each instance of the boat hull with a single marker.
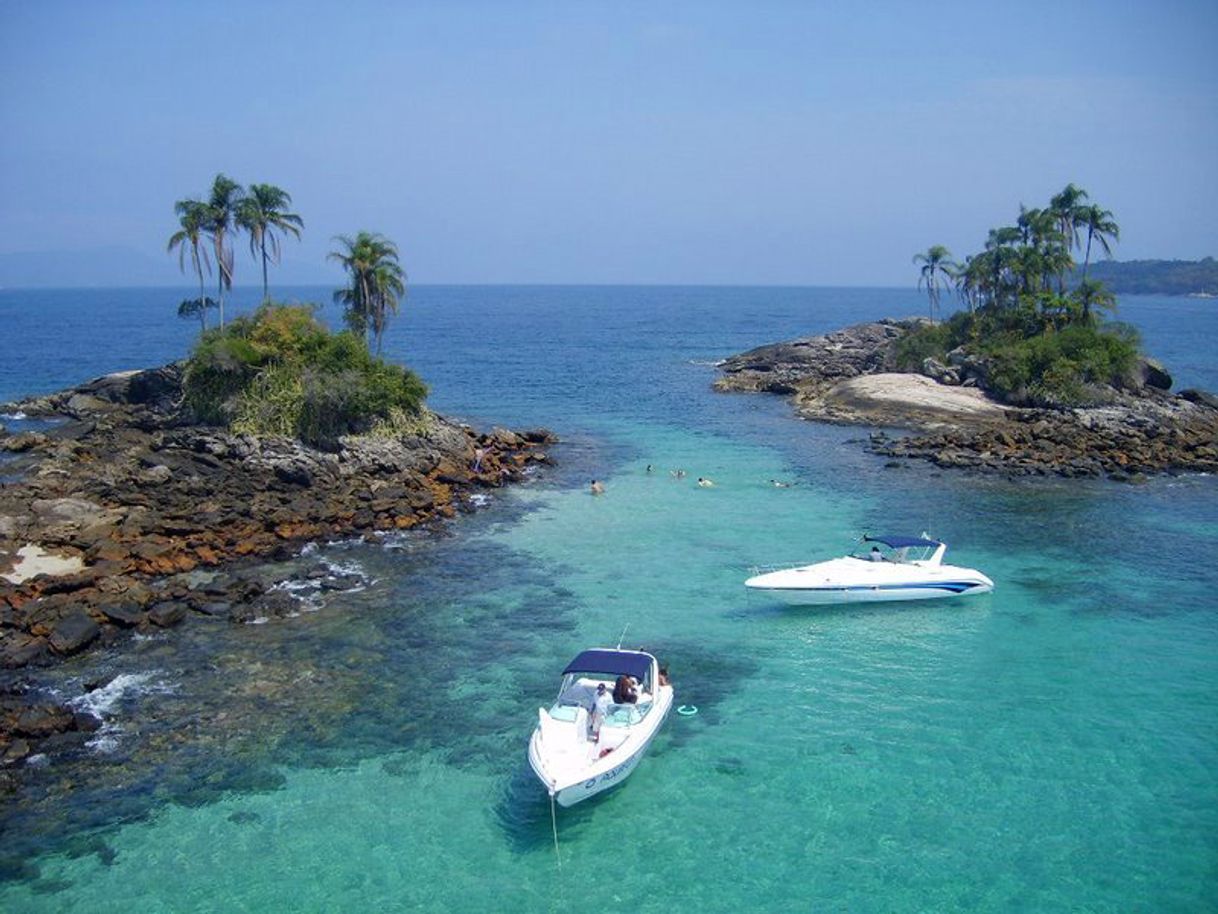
(602, 775)
(828, 596)
(853, 580)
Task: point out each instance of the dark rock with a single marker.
(21, 651)
(167, 615)
(935, 369)
(1152, 374)
(1200, 397)
(41, 721)
(17, 750)
(85, 722)
(124, 613)
(24, 441)
(158, 387)
(783, 367)
(294, 473)
(215, 608)
(73, 632)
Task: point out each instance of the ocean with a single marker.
(1050, 747)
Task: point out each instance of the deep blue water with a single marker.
(1051, 747)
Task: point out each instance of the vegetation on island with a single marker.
(1040, 342)
(280, 371)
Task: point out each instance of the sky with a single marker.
(747, 143)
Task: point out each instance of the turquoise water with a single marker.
(1050, 747)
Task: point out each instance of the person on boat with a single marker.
(598, 487)
(664, 676)
(600, 707)
(625, 691)
(876, 555)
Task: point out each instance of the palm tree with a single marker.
(1093, 294)
(1100, 227)
(197, 307)
(377, 282)
(262, 212)
(1066, 207)
(192, 215)
(936, 262)
(222, 205)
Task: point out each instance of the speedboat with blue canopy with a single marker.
(892, 568)
(609, 707)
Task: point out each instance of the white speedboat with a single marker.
(584, 745)
(906, 568)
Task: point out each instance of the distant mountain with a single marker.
(122, 266)
(106, 266)
(1156, 277)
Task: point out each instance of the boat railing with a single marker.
(768, 569)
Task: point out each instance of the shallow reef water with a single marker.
(1048, 747)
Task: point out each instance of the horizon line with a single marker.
(520, 285)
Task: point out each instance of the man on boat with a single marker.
(600, 707)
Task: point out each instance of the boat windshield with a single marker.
(579, 691)
(881, 553)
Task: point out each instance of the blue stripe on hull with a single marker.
(953, 586)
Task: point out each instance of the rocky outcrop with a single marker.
(123, 497)
(849, 377)
(816, 363)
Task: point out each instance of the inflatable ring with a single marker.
(687, 710)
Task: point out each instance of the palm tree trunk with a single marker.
(220, 274)
(365, 306)
(202, 294)
(1087, 259)
(265, 294)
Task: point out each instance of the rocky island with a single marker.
(120, 515)
(853, 376)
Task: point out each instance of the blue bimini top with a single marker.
(619, 663)
(902, 542)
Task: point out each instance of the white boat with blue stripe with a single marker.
(588, 741)
(893, 568)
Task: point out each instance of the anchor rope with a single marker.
(554, 826)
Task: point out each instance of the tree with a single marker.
(261, 213)
(192, 216)
(222, 205)
(197, 307)
(1065, 208)
(1100, 227)
(1093, 295)
(377, 282)
(935, 262)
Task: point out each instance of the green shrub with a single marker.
(1055, 368)
(279, 371)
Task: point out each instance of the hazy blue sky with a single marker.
(615, 142)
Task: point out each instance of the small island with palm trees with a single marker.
(279, 371)
(161, 493)
(1030, 377)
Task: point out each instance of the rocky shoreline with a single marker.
(851, 377)
(117, 517)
